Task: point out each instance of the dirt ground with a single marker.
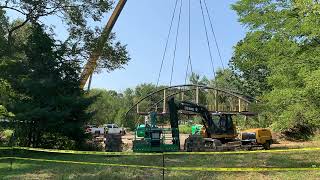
(279, 144)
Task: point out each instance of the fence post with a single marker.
(162, 165)
(12, 142)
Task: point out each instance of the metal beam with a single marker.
(216, 100)
(164, 101)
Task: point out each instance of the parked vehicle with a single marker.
(95, 130)
(257, 137)
(114, 129)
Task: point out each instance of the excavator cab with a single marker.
(224, 123)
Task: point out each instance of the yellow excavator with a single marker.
(96, 53)
(219, 133)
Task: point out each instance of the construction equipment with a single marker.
(257, 137)
(151, 138)
(218, 134)
(96, 53)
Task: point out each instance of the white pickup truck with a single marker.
(114, 129)
(95, 130)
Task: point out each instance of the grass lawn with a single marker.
(26, 169)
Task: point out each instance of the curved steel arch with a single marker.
(173, 94)
(249, 99)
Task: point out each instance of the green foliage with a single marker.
(106, 107)
(198, 80)
(279, 60)
(75, 15)
(4, 112)
(6, 95)
(3, 30)
(5, 136)
(227, 79)
(185, 129)
(50, 104)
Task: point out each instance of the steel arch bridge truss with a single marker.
(213, 98)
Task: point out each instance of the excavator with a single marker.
(219, 135)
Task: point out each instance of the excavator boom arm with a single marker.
(191, 107)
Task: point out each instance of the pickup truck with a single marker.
(114, 129)
(95, 130)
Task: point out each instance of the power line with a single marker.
(176, 42)
(167, 41)
(214, 34)
(208, 43)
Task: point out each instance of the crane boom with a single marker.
(96, 53)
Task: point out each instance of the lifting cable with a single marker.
(167, 41)
(208, 42)
(214, 34)
(189, 45)
(204, 11)
(176, 43)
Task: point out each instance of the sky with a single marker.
(144, 25)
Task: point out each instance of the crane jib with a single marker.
(92, 62)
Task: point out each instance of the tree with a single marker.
(106, 107)
(3, 25)
(197, 80)
(250, 62)
(50, 106)
(280, 58)
(227, 79)
(75, 15)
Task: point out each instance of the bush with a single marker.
(185, 129)
(5, 137)
(56, 141)
(299, 132)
